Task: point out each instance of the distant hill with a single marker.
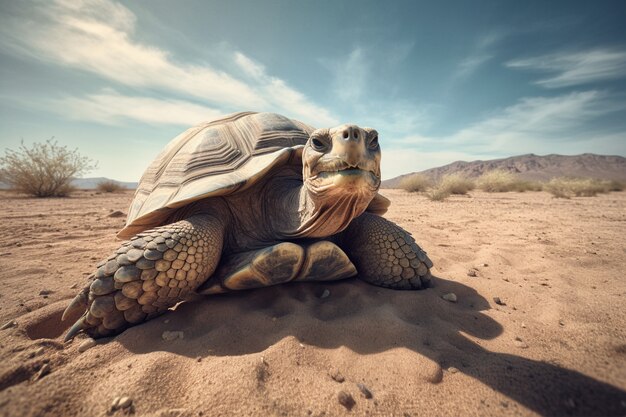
(91, 183)
(88, 183)
(533, 167)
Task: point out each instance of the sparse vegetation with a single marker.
(109, 186)
(43, 170)
(456, 184)
(415, 183)
(498, 181)
(615, 185)
(437, 194)
(578, 187)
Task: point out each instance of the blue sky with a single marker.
(440, 80)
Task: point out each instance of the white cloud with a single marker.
(96, 36)
(576, 68)
(110, 107)
(283, 95)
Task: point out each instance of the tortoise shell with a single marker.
(217, 158)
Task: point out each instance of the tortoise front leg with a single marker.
(148, 274)
(385, 254)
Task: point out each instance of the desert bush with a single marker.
(498, 181)
(437, 194)
(109, 186)
(43, 170)
(615, 185)
(415, 183)
(456, 184)
(579, 187)
(523, 185)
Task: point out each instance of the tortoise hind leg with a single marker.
(385, 254)
(283, 262)
(147, 275)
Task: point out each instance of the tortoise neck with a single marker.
(308, 215)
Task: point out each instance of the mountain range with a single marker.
(532, 167)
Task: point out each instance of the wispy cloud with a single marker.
(558, 124)
(284, 96)
(480, 53)
(576, 68)
(110, 107)
(96, 36)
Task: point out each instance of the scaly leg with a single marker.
(385, 254)
(148, 274)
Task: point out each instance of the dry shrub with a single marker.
(523, 185)
(109, 186)
(415, 183)
(579, 187)
(615, 185)
(437, 194)
(456, 184)
(44, 170)
(498, 181)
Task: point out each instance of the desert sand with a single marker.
(554, 345)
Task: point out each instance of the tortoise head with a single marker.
(341, 161)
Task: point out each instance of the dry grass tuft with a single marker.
(498, 181)
(415, 183)
(577, 187)
(437, 194)
(456, 184)
(110, 186)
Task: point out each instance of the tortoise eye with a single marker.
(318, 145)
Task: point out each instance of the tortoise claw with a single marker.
(77, 305)
(77, 327)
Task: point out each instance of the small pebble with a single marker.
(325, 294)
(346, 399)
(117, 213)
(45, 292)
(125, 402)
(365, 391)
(520, 343)
(169, 336)
(523, 325)
(86, 345)
(498, 301)
(45, 370)
(485, 264)
(453, 370)
(199, 359)
(471, 273)
(561, 323)
(8, 325)
(337, 376)
(115, 404)
(450, 297)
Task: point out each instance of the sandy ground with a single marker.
(556, 345)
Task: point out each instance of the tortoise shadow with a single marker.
(368, 320)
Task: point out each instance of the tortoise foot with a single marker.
(147, 275)
(385, 254)
(284, 262)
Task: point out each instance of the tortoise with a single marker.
(246, 201)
